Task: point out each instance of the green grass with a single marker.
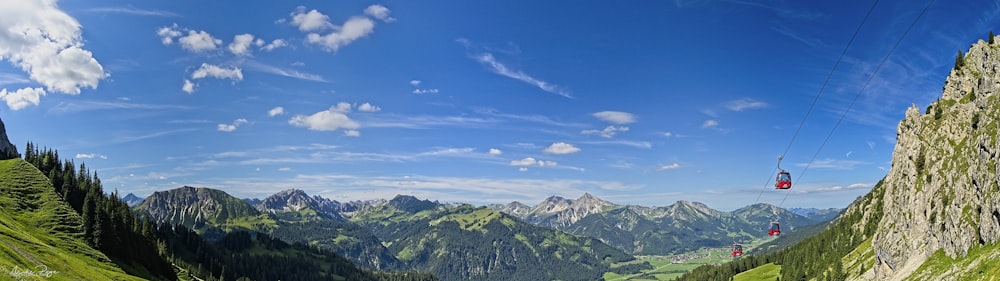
(474, 220)
(860, 259)
(767, 272)
(665, 269)
(980, 264)
(39, 232)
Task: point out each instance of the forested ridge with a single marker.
(815, 258)
(165, 252)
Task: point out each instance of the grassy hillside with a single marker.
(979, 264)
(767, 272)
(40, 235)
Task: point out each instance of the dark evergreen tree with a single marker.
(959, 60)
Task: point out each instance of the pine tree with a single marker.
(959, 60)
(991, 37)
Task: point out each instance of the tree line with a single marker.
(162, 252)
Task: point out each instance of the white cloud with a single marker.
(342, 107)
(494, 151)
(226, 128)
(416, 83)
(167, 34)
(367, 107)
(379, 12)
(452, 152)
(353, 29)
(710, 123)
(607, 132)
(522, 169)
(327, 120)
(46, 43)
(835, 164)
(528, 161)
(188, 87)
(284, 169)
(668, 134)
(91, 156)
(310, 21)
(636, 144)
(258, 66)
(744, 104)
(241, 44)
(209, 70)
(133, 11)
(199, 41)
(276, 43)
(561, 148)
(848, 187)
(425, 91)
(276, 111)
(616, 117)
(542, 163)
(231, 127)
(488, 60)
(22, 98)
(352, 133)
(668, 167)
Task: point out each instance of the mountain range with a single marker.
(571, 239)
(679, 227)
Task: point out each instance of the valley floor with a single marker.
(672, 266)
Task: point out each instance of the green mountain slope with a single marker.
(41, 237)
(476, 243)
(241, 254)
(213, 213)
(681, 227)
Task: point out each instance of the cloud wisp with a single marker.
(488, 60)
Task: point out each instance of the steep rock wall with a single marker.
(942, 191)
(7, 150)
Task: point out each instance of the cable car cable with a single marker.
(860, 91)
(816, 99)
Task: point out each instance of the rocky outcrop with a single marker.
(943, 190)
(560, 212)
(296, 200)
(7, 150)
(194, 207)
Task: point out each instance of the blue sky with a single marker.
(637, 102)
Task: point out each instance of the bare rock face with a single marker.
(7, 150)
(943, 190)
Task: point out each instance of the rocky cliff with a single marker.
(943, 190)
(7, 150)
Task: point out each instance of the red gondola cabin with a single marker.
(737, 250)
(784, 180)
(774, 230)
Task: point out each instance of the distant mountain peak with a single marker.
(589, 198)
(296, 200)
(131, 200)
(554, 199)
(195, 206)
(287, 200)
(411, 204)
